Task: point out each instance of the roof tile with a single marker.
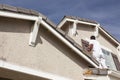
(70, 39)
(50, 22)
(77, 45)
(81, 19)
(18, 10)
(33, 12)
(23, 10)
(60, 31)
(9, 8)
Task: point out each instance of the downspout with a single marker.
(68, 43)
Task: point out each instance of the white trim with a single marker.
(70, 30)
(17, 15)
(71, 20)
(118, 52)
(74, 31)
(96, 77)
(90, 77)
(93, 24)
(68, 43)
(34, 32)
(30, 71)
(96, 33)
(118, 48)
(73, 28)
(61, 23)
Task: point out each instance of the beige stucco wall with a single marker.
(106, 43)
(49, 54)
(84, 32)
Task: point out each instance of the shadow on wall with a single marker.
(13, 25)
(6, 74)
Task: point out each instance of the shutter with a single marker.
(117, 63)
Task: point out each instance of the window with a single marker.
(111, 60)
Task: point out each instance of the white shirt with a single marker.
(97, 52)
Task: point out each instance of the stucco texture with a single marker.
(49, 55)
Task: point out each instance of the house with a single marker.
(79, 28)
(33, 48)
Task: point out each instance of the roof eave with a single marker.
(65, 19)
(17, 15)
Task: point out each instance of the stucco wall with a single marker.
(49, 54)
(83, 32)
(105, 42)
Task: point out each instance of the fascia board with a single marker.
(18, 15)
(77, 21)
(61, 23)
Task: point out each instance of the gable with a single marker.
(84, 29)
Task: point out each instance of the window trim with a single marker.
(112, 55)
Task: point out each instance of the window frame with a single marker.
(114, 59)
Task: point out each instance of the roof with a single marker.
(20, 10)
(49, 22)
(5, 7)
(81, 19)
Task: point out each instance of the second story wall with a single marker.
(83, 32)
(106, 42)
(50, 54)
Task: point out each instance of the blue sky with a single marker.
(106, 12)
